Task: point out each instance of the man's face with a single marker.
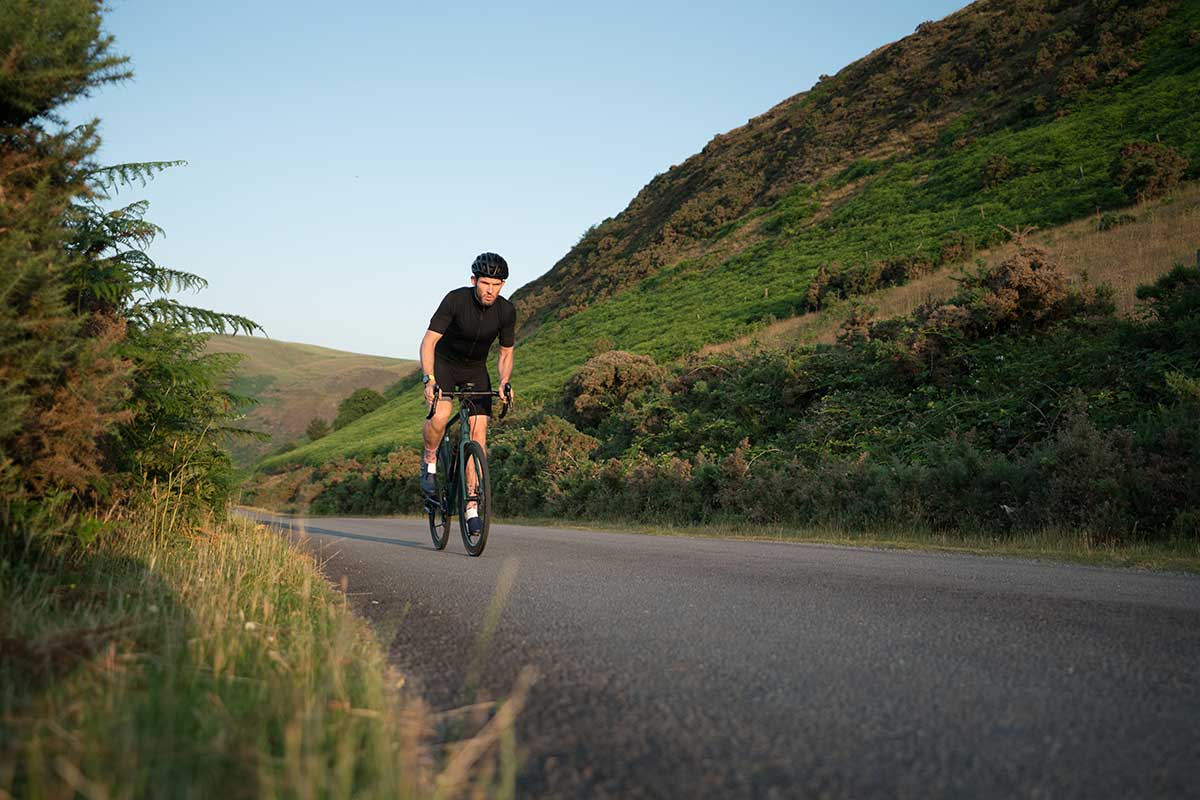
(487, 289)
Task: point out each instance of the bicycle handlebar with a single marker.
(438, 394)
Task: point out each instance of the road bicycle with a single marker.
(462, 474)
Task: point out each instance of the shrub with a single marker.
(1111, 220)
(997, 170)
(605, 383)
(855, 328)
(532, 467)
(1145, 170)
(1175, 297)
(360, 403)
(956, 246)
(317, 428)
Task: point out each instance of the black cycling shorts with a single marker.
(455, 375)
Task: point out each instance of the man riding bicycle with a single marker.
(454, 353)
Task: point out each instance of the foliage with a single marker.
(1145, 170)
(62, 387)
(997, 169)
(107, 395)
(360, 402)
(52, 52)
(317, 427)
(386, 485)
(1111, 220)
(606, 382)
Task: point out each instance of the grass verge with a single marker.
(215, 665)
(1076, 547)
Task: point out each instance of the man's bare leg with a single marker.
(435, 429)
(479, 425)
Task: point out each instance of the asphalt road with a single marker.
(683, 667)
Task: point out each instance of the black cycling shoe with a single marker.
(428, 482)
(474, 525)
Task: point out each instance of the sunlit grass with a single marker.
(1162, 233)
(217, 665)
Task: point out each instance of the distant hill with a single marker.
(296, 382)
(1005, 114)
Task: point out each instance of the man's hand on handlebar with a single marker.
(431, 391)
(506, 394)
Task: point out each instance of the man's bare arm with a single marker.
(428, 343)
(505, 365)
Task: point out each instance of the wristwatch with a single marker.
(426, 379)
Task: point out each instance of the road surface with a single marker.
(692, 667)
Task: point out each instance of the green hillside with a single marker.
(1008, 113)
(295, 382)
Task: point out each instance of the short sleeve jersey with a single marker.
(468, 327)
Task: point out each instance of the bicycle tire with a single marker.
(476, 461)
(439, 508)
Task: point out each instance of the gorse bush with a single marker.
(1145, 170)
(605, 383)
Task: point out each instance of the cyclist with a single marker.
(454, 353)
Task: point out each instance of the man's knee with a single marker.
(440, 419)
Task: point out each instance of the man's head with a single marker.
(487, 289)
(488, 273)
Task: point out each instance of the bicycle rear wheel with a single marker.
(475, 470)
(438, 508)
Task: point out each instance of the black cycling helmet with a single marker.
(490, 265)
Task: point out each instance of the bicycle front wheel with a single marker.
(476, 488)
(438, 507)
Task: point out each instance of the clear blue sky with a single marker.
(346, 162)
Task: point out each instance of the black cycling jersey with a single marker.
(468, 327)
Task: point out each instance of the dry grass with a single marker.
(1163, 234)
(220, 665)
(290, 492)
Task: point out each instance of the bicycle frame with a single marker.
(455, 485)
(468, 464)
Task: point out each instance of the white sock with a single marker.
(431, 469)
(472, 512)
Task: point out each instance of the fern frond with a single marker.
(106, 180)
(165, 310)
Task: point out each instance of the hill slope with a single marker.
(1005, 114)
(295, 382)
